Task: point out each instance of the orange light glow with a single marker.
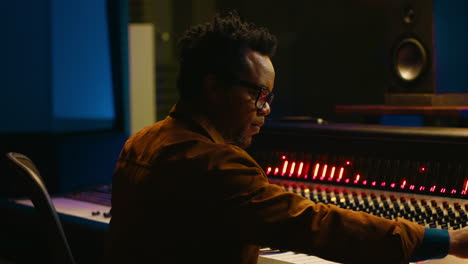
(332, 173)
(340, 175)
(356, 180)
(403, 184)
(291, 171)
(299, 170)
(316, 170)
(324, 172)
(285, 167)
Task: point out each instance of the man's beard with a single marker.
(242, 140)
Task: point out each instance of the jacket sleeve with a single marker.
(268, 215)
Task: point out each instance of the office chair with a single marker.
(29, 179)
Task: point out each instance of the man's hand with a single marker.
(459, 242)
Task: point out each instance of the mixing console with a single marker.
(435, 212)
(417, 173)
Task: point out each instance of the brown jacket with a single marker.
(182, 195)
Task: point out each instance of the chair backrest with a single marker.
(30, 179)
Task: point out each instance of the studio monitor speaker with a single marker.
(427, 62)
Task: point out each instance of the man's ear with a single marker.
(211, 88)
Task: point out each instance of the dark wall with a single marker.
(330, 52)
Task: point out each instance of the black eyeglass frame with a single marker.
(260, 88)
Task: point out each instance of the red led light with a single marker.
(285, 167)
(453, 191)
(463, 192)
(432, 189)
(299, 171)
(442, 190)
(402, 186)
(268, 171)
(291, 171)
(324, 172)
(411, 187)
(383, 184)
(356, 180)
(276, 171)
(422, 188)
(340, 176)
(364, 182)
(316, 170)
(393, 185)
(466, 186)
(346, 181)
(422, 169)
(283, 157)
(348, 162)
(332, 173)
(374, 183)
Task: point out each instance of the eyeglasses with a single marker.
(264, 95)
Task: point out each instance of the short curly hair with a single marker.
(219, 48)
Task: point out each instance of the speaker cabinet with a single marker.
(419, 33)
(410, 38)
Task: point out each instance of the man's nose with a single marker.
(265, 110)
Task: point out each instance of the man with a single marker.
(185, 191)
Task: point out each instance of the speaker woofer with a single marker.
(410, 60)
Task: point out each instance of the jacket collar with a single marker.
(187, 112)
